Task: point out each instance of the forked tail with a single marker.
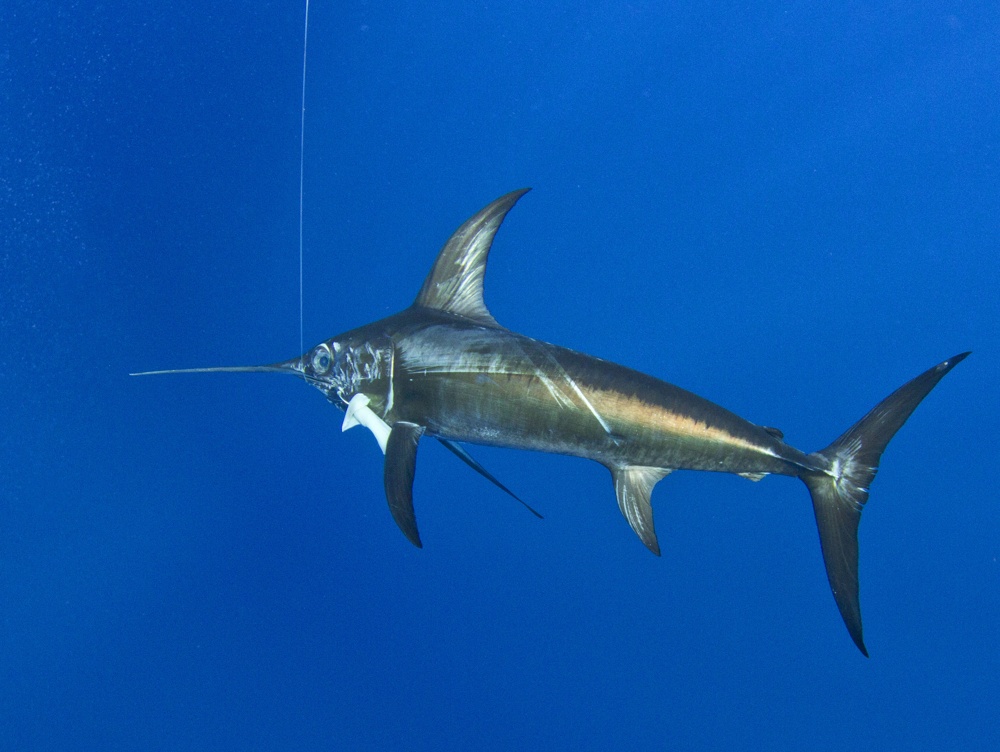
(841, 490)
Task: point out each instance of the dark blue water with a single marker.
(790, 211)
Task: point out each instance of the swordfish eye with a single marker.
(321, 359)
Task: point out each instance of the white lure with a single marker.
(359, 414)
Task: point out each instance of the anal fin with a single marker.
(633, 487)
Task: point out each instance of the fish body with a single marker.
(485, 385)
(444, 367)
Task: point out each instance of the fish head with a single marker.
(350, 364)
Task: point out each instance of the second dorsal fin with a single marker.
(455, 284)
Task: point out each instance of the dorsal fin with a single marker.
(455, 284)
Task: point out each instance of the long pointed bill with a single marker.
(293, 367)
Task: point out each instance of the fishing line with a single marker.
(302, 171)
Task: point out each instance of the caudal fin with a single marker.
(840, 491)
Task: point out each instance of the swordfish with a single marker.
(445, 368)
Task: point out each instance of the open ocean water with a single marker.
(789, 210)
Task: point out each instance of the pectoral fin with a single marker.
(633, 487)
(400, 465)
